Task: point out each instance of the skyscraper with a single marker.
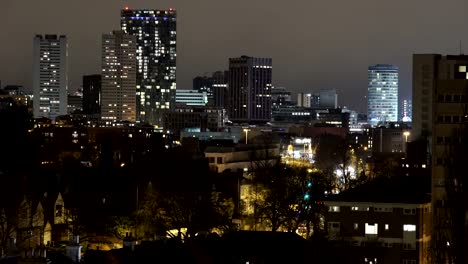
(220, 92)
(250, 87)
(440, 117)
(50, 76)
(155, 32)
(382, 97)
(92, 95)
(118, 77)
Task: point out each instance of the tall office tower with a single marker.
(118, 77)
(155, 31)
(220, 89)
(440, 115)
(382, 97)
(328, 99)
(50, 76)
(304, 100)
(92, 95)
(204, 84)
(406, 110)
(250, 89)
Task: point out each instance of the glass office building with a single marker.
(382, 97)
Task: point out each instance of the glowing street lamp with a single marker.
(406, 134)
(246, 130)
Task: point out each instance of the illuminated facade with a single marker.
(382, 94)
(118, 77)
(191, 97)
(155, 32)
(250, 89)
(50, 76)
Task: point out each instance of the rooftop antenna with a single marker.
(460, 47)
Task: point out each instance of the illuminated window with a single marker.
(355, 226)
(387, 227)
(409, 228)
(462, 68)
(334, 209)
(371, 229)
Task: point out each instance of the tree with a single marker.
(8, 220)
(120, 226)
(162, 211)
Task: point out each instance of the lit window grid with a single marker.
(383, 96)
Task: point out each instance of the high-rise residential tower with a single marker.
(250, 87)
(382, 97)
(50, 76)
(92, 95)
(440, 117)
(118, 101)
(156, 36)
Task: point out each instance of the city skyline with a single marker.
(301, 68)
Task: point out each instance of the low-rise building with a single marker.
(241, 156)
(385, 222)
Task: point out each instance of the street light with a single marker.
(246, 130)
(406, 134)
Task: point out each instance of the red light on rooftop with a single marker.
(126, 8)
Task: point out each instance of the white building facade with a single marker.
(50, 76)
(118, 98)
(382, 95)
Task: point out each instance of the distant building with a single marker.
(191, 97)
(194, 119)
(406, 110)
(203, 84)
(50, 76)
(390, 139)
(324, 99)
(382, 98)
(118, 77)
(250, 89)
(333, 117)
(304, 100)
(292, 114)
(240, 157)
(156, 36)
(280, 96)
(75, 104)
(14, 89)
(92, 95)
(220, 89)
(328, 99)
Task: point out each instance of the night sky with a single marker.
(314, 44)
